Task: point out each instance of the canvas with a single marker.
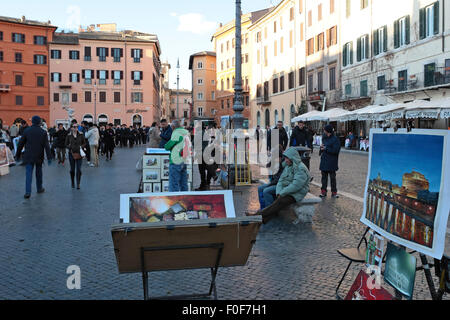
(360, 290)
(159, 207)
(407, 198)
(3, 155)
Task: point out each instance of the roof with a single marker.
(59, 38)
(24, 21)
(200, 54)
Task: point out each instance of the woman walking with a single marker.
(74, 142)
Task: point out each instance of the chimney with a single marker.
(23, 19)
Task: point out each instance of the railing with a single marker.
(5, 88)
(263, 100)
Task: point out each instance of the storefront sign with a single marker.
(137, 111)
(422, 114)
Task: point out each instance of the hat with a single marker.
(36, 120)
(301, 121)
(329, 128)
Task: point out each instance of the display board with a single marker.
(237, 236)
(361, 291)
(157, 207)
(3, 155)
(407, 198)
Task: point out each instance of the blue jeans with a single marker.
(178, 180)
(29, 177)
(266, 195)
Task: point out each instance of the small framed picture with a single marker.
(165, 160)
(148, 188)
(165, 186)
(165, 174)
(151, 175)
(157, 187)
(150, 162)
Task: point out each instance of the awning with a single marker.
(304, 117)
(445, 108)
(422, 109)
(354, 115)
(330, 115)
(390, 111)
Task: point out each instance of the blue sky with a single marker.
(183, 27)
(396, 154)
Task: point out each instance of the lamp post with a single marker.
(95, 102)
(238, 107)
(178, 85)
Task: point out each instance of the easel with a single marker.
(212, 288)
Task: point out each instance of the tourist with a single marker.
(166, 133)
(93, 137)
(60, 143)
(178, 180)
(154, 133)
(329, 157)
(75, 141)
(109, 141)
(292, 187)
(301, 136)
(267, 192)
(35, 141)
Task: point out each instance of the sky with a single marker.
(183, 27)
(396, 154)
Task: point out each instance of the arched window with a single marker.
(276, 117)
(282, 115)
(267, 118)
(258, 118)
(137, 120)
(88, 118)
(292, 111)
(222, 85)
(228, 83)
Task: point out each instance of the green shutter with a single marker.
(396, 34)
(367, 46)
(375, 43)
(423, 30)
(385, 40)
(351, 53)
(436, 17)
(345, 62)
(358, 50)
(408, 29)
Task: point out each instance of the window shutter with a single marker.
(132, 53)
(98, 74)
(121, 75)
(436, 17)
(23, 38)
(51, 77)
(107, 52)
(93, 74)
(107, 74)
(367, 47)
(408, 29)
(358, 50)
(87, 51)
(351, 53)
(422, 14)
(385, 43)
(345, 62)
(396, 34)
(121, 53)
(142, 75)
(142, 51)
(83, 73)
(132, 75)
(375, 43)
(45, 59)
(98, 52)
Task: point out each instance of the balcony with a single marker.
(5, 88)
(263, 100)
(434, 77)
(316, 96)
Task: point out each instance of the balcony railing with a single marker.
(263, 100)
(5, 88)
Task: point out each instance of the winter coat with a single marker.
(300, 137)
(176, 145)
(74, 144)
(35, 141)
(330, 156)
(60, 138)
(93, 136)
(165, 136)
(155, 139)
(108, 137)
(295, 179)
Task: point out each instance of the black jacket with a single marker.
(60, 138)
(329, 158)
(74, 144)
(35, 141)
(301, 137)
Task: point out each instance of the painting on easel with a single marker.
(407, 198)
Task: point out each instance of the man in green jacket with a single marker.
(178, 180)
(292, 187)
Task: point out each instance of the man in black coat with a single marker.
(301, 136)
(60, 143)
(35, 141)
(283, 136)
(329, 157)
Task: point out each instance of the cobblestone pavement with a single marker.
(42, 236)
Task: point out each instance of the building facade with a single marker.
(165, 90)
(105, 77)
(203, 67)
(24, 69)
(185, 106)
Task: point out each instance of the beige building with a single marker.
(184, 105)
(165, 90)
(203, 66)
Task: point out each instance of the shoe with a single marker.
(323, 195)
(335, 196)
(27, 196)
(41, 191)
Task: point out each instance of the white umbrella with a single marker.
(304, 117)
(330, 115)
(421, 109)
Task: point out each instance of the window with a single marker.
(309, 18)
(200, 65)
(74, 77)
(364, 90)
(332, 73)
(55, 77)
(102, 97)
(310, 47)
(320, 81)
(222, 86)
(19, 100)
(200, 111)
(320, 42)
(200, 96)
(233, 43)
(281, 45)
(40, 59)
(291, 14)
(429, 70)
(74, 97)
(137, 54)
(40, 101)
(18, 79)
(137, 76)
(18, 57)
(221, 48)
(56, 97)
(302, 76)
(137, 97)
(348, 8)
(40, 40)
(116, 97)
(87, 75)
(228, 83)
(87, 96)
(380, 40)
(402, 32)
(1, 35)
(310, 84)
(266, 60)
(332, 36)
(291, 81)
(362, 48)
(274, 27)
(221, 65)
(403, 80)
(291, 39)
(40, 81)
(55, 54)
(275, 49)
(348, 89)
(246, 58)
(1, 55)
(102, 75)
(117, 53)
(348, 54)
(185, 114)
(302, 34)
(275, 85)
(429, 20)
(319, 12)
(213, 95)
(331, 6)
(118, 75)
(447, 71)
(102, 53)
(381, 82)
(18, 38)
(222, 103)
(87, 54)
(364, 4)
(282, 83)
(300, 6)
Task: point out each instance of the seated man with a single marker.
(292, 187)
(267, 192)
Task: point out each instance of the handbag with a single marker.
(82, 153)
(76, 156)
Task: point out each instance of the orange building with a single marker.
(24, 69)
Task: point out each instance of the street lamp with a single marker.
(95, 102)
(238, 107)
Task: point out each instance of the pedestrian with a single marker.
(329, 158)
(166, 133)
(301, 136)
(207, 170)
(35, 141)
(60, 143)
(132, 136)
(93, 137)
(154, 133)
(109, 141)
(75, 141)
(101, 142)
(178, 180)
(124, 136)
(146, 132)
(292, 187)
(282, 135)
(267, 192)
(14, 131)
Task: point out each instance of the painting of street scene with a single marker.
(404, 187)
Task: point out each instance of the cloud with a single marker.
(173, 14)
(195, 23)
